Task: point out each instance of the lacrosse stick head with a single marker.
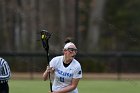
(45, 36)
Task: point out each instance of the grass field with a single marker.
(85, 86)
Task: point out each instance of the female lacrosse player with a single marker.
(67, 70)
(4, 76)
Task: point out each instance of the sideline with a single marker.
(94, 76)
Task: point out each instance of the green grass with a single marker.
(85, 86)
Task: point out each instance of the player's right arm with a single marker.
(50, 68)
(47, 71)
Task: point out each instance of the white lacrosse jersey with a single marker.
(63, 75)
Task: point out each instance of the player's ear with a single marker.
(64, 51)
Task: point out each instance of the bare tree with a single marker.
(33, 24)
(97, 7)
(21, 20)
(7, 24)
(62, 21)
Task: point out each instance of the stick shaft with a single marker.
(47, 51)
(45, 35)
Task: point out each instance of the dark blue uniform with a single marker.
(4, 76)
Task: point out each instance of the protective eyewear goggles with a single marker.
(72, 49)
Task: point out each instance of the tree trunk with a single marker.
(33, 25)
(7, 25)
(62, 22)
(97, 7)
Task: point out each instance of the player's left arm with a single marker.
(75, 80)
(69, 88)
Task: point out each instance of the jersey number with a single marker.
(61, 79)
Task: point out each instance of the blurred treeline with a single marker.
(94, 25)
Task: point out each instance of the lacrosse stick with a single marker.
(45, 36)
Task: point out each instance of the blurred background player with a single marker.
(67, 70)
(4, 76)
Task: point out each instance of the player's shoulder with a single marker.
(58, 57)
(76, 63)
(56, 60)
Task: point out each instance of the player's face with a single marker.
(71, 52)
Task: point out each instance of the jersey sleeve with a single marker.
(78, 72)
(5, 75)
(52, 63)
